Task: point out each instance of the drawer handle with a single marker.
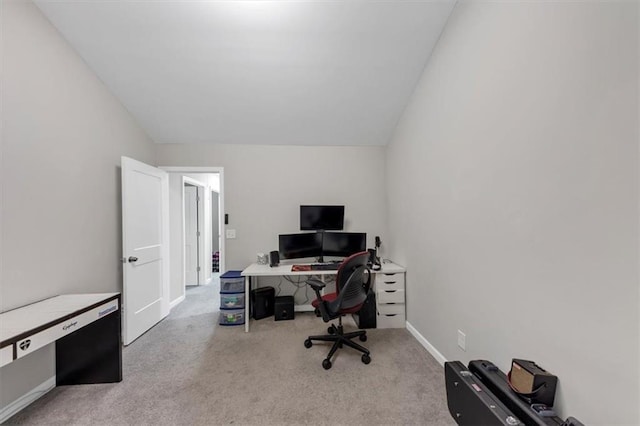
(390, 291)
(390, 282)
(390, 315)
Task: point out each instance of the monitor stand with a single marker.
(321, 257)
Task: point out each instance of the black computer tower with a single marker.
(262, 302)
(284, 308)
(366, 316)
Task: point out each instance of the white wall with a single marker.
(265, 186)
(176, 249)
(62, 137)
(513, 196)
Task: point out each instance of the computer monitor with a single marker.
(297, 246)
(343, 244)
(320, 218)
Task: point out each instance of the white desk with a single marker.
(256, 270)
(85, 328)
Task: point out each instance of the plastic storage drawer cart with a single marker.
(232, 298)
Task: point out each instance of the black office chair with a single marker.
(352, 284)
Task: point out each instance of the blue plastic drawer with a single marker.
(231, 282)
(231, 300)
(231, 316)
(231, 285)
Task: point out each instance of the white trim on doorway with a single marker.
(177, 301)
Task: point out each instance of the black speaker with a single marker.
(366, 316)
(372, 256)
(284, 308)
(274, 258)
(262, 302)
(374, 260)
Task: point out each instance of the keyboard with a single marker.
(316, 267)
(325, 266)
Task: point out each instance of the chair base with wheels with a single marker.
(352, 284)
(339, 339)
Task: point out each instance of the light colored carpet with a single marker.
(188, 370)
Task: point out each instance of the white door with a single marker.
(191, 234)
(145, 246)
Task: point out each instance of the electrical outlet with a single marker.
(462, 340)
(231, 233)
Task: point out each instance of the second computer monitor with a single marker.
(343, 244)
(298, 246)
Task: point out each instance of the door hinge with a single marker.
(198, 233)
(198, 269)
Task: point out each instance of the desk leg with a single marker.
(247, 302)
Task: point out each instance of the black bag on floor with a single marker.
(366, 316)
(471, 402)
(497, 383)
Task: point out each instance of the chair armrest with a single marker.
(316, 284)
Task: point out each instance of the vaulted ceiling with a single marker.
(261, 72)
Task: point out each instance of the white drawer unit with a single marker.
(390, 298)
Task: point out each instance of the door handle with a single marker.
(133, 259)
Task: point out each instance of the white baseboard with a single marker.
(26, 399)
(176, 302)
(428, 346)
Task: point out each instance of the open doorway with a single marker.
(193, 234)
(196, 199)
